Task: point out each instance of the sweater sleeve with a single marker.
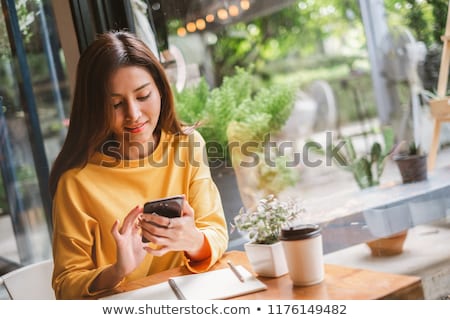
(74, 234)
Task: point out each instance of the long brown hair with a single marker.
(91, 114)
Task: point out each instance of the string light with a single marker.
(233, 10)
(200, 23)
(181, 32)
(191, 27)
(245, 4)
(222, 14)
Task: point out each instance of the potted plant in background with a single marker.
(411, 161)
(260, 168)
(235, 120)
(367, 170)
(241, 111)
(263, 226)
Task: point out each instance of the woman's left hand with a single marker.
(172, 234)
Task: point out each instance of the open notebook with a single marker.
(217, 284)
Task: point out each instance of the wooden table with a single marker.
(340, 283)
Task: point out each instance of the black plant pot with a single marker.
(412, 168)
(225, 179)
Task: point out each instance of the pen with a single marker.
(176, 290)
(235, 271)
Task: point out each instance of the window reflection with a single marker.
(21, 209)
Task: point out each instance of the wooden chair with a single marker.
(31, 282)
(440, 107)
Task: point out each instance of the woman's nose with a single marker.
(133, 111)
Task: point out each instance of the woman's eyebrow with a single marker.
(135, 90)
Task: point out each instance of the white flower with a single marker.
(264, 224)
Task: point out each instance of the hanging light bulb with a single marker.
(233, 10)
(200, 23)
(181, 32)
(191, 27)
(209, 18)
(245, 4)
(222, 14)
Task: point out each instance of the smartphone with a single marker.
(170, 207)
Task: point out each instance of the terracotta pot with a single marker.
(412, 168)
(388, 246)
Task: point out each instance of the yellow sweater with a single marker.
(89, 200)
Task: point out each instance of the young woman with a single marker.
(125, 147)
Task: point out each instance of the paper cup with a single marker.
(304, 254)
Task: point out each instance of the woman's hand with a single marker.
(173, 234)
(128, 239)
(130, 252)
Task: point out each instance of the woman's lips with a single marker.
(136, 129)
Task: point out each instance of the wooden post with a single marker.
(441, 91)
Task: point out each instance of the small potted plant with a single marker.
(411, 161)
(236, 118)
(367, 168)
(263, 226)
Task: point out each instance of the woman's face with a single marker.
(137, 104)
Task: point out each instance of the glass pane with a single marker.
(21, 199)
(48, 75)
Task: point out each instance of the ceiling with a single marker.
(190, 10)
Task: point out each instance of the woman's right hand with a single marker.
(130, 251)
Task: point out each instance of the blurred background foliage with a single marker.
(295, 46)
(306, 41)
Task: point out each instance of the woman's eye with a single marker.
(144, 97)
(117, 105)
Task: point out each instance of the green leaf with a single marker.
(389, 139)
(350, 149)
(190, 103)
(362, 173)
(375, 152)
